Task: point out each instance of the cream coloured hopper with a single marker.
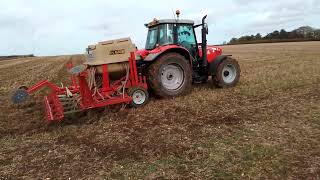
(115, 53)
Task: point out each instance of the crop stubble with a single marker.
(267, 126)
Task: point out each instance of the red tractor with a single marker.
(173, 59)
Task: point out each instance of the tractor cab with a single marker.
(172, 32)
(166, 33)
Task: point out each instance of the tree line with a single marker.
(305, 33)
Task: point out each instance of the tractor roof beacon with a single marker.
(173, 59)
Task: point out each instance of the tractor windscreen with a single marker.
(152, 38)
(165, 34)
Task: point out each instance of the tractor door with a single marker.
(187, 38)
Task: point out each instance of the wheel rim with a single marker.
(138, 97)
(229, 73)
(172, 77)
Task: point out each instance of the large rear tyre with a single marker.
(227, 74)
(170, 76)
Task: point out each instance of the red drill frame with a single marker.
(107, 95)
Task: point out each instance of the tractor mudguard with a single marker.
(152, 57)
(167, 49)
(214, 65)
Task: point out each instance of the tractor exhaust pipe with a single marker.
(204, 32)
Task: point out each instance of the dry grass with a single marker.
(266, 127)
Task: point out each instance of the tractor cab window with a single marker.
(186, 37)
(165, 34)
(152, 38)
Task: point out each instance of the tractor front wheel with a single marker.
(170, 75)
(227, 74)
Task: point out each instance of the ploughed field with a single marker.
(267, 126)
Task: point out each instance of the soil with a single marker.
(266, 127)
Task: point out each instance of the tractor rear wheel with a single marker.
(227, 74)
(170, 75)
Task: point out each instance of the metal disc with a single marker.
(77, 69)
(20, 96)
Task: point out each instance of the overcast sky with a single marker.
(54, 27)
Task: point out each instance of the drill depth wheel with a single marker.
(140, 96)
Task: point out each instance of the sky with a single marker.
(57, 27)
